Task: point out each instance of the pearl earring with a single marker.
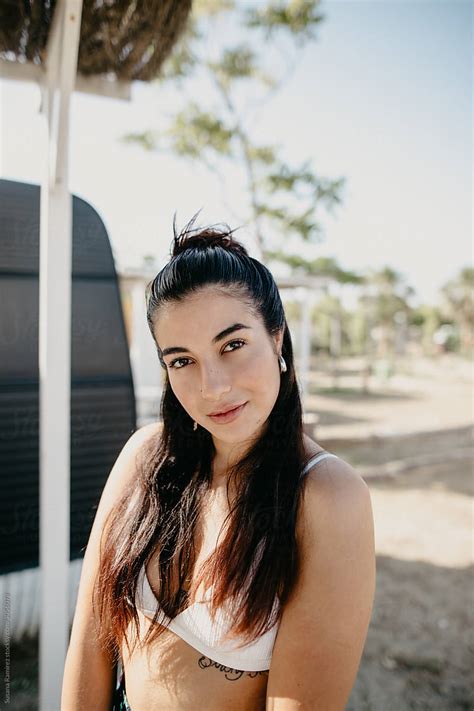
(195, 426)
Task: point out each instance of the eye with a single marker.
(177, 360)
(238, 340)
(173, 363)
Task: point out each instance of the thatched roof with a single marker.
(127, 38)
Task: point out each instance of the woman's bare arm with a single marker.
(89, 671)
(325, 621)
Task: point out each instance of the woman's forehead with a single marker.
(202, 314)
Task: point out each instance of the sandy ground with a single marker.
(419, 652)
(411, 439)
(421, 395)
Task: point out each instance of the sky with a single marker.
(383, 97)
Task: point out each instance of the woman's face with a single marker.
(210, 371)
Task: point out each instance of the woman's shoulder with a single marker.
(136, 447)
(330, 472)
(149, 430)
(144, 435)
(332, 490)
(333, 597)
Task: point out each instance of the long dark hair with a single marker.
(257, 559)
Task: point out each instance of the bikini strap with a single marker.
(315, 459)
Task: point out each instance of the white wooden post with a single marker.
(55, 353)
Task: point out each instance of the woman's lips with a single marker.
(228, 416)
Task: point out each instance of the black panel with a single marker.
(102, 397)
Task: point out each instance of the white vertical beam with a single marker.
(2, 127)
(54, 353)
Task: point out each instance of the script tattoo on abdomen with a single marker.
(230, 674)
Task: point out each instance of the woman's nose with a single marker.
(214, 384)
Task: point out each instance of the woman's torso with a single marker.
(170, 674)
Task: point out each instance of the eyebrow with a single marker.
(220, 336)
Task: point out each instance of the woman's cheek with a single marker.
(249, 361)
(258, 368)
(178, 386)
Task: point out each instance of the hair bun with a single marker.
(193, 238)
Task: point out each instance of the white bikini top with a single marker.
(196, 627)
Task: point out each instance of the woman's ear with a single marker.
(278, 340)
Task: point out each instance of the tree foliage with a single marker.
(458, 302)
(217, 127)
(385, 295)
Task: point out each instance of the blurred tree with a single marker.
(385, 296)
(292, 311)
(358, 332)
(333, 323)
(458, 297)
(218, 131)
(321, 266)
(327, 312)
(428, 318)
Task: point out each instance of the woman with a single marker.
(257, 544)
